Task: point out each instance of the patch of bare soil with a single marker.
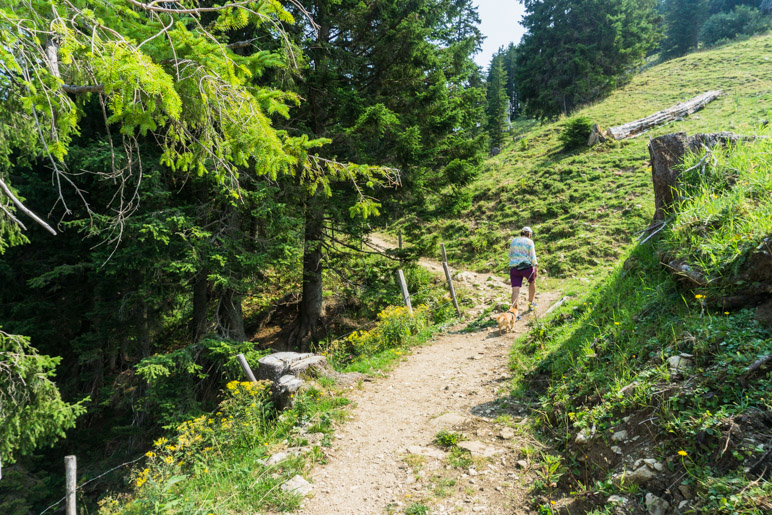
(384, 458)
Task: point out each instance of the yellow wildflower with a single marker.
(683, 453)
(150, 454)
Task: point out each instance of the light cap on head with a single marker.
(526, 229)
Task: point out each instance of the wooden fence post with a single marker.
(450, 286)
(70, 470)
(444, 256)
(245, 367)
(399, 238)
(405, 293)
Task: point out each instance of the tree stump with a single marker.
(667, 152)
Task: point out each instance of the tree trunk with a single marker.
(311, 303)
(230, 317)
(199, 325)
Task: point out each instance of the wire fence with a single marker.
(92, 480)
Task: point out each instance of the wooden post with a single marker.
(450, 286)
(70, 470)
(399, 238)
(245, 368)
(444, 256)
(405, 293)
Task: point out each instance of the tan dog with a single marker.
(506, 320)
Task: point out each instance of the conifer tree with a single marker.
(498, 103)
(390, 83)
(683, 20)
(575, 51)
(510, 66)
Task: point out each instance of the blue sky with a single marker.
(500, 23)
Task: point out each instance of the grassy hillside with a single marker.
(585, 205)
(604, 364)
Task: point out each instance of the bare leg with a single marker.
(531, 291)
(515, 294)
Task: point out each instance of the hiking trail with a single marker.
(383, 458)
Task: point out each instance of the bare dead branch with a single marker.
(21, 207)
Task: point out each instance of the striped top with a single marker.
(522, 250)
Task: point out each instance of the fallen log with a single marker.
(670, 114)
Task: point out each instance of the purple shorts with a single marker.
(516, 276)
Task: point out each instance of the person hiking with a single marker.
(523, 265)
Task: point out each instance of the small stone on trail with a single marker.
(507, 434)
(478, 449)
(521, 464)
(449, 421)
(429, 452)
(616, 449)
(297, 485)
(617, 499)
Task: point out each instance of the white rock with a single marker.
(616, 449)
(644, 471)
(656, 505)
(297, 485)
(277, 458)
(617, 499)
(651, 463)
(619, 436)
(585, 435)
(681, 363)
(449, 420)
(507, 434)
(479, 449)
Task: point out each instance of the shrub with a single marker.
(395, 326)
(723, 26)
(576, 132)
(448, 439)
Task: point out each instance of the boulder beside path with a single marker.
(287, 372)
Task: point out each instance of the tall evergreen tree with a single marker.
(683, 20)
(498, 103)
(575, 51)
(390, 82)
(509, 57)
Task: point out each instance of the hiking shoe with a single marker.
(531, 306)
(518, 317)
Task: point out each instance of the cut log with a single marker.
(668, 115)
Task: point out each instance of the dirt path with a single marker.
(384, 460)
